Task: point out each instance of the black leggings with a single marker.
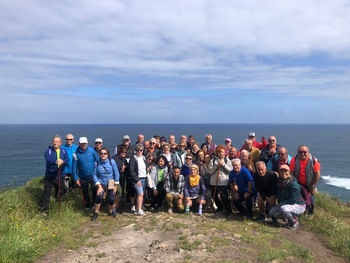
(222, 189)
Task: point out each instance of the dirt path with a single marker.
(174, 238)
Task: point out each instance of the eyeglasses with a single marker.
(98, 142)
(67, 139)
(302, 152)
(139, 150)
(188, 158)
(152, 143)
(272, 140)
(103, 153)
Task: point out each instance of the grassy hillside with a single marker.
(26, 235)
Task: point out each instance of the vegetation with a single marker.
(23, 231)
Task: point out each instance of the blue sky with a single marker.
(174, 61)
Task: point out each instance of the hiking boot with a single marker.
(262, 218)
(170, 210)
(113, 213)
(94, 217)
(274, 221)
(293, 225)
(229, 215)
(43, 211)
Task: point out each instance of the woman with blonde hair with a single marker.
(194, 190)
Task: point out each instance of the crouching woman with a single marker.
(106, 180)
(194, 190)
(290, 201)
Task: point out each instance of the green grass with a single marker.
(331, 222)
(25, 235)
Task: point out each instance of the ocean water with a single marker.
(23, 146)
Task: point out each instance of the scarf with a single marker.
(194, 180)
(282, 183)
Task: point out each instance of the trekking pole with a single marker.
(59, 189)
(216, 186)
(82, 195)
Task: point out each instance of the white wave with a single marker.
(337, 181)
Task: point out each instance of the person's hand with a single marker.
(246, 194)
(99, 190)
(180, 196)
(202, 201)
(78, 183)
(59, 161)
(155, 192)
(139, 183)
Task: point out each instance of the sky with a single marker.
(178, 61)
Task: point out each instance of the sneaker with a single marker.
(293, 225)
(140, 213)
(152, 209)
(170, 210)
(133, 209)
(94, 217)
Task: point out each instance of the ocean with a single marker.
(23, 146)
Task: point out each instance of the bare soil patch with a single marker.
(160, 237)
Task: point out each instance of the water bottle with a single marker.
(187, 210)
(200, 209)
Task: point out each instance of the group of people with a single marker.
(185, 176)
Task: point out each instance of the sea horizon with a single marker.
(21, 157)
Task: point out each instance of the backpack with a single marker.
(305, 195)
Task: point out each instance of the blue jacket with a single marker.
(104, 171)
(51, 166)
(84, 163)
(70, 150)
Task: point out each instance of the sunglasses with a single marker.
(272, 140)
(103, 153)
(139, 150)
(152, 143)
(188, 158)
(123, 152)
(98, 142)
(302, 152)
(69, 139)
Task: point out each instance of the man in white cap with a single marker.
(98, 145)
(129, 148)
(84, 160)
(260, 145)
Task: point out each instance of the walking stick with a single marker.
(216, 186)
(82, 195)
(59, 189)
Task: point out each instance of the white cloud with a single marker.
(127, 49)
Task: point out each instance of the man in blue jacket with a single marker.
(83, 165)
(70, 149)
(56, 158)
